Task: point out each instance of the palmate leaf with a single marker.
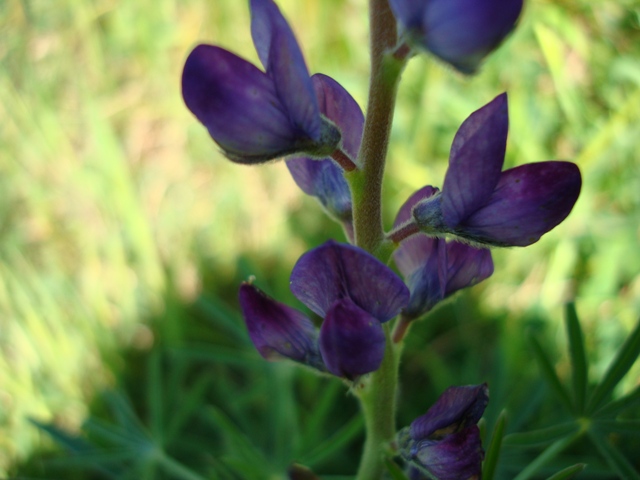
(547, 455)
(615, 459)
(579, 365)
(624, 360)
(630, 400)
(542, 436)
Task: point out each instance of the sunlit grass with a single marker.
(107, 182)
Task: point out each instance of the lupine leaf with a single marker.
(312, 434)
(630, 400)
(619, 426)
(394, 470)
(335, 442)
(568, 472)
(542, 436)
(613, 456)
(579, 365)
(623, 361)
(493, 452)
(549, 453)
(549, 373)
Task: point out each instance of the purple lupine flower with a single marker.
(445, 442)
(433, 268)
(460, 32)
(485, 206)
(354, 293)
(256, 116)
(324, 179)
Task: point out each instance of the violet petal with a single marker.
(475, 162)
(528, 201)
(464, 32)
(277, 330)
(324, 179)
(351, 340)
(457, 457)
(456, 408)
(237, 103)
(335, 271)
(466, 266)
(282, 58)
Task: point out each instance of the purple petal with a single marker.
(237, 103)
(404, 214)
(475, 162)
(351, 340)
(341, 108)
(457, 457)
(456, 408)
(463, 32)
(426, 283)
(324, 180)
(528, 201)
(466, 266)
(335, 271)
(281, 56)
(408, 13)
(278, 330)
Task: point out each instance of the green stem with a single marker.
(378, 400)
(366, 181)
(378, 392)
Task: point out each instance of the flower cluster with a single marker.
(351, 290)
(441, 237)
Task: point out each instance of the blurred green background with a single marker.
(124, 233)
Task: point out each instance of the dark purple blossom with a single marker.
(351, 290)
(433, 268)
(460, 32)
(445, 442)
(256, 116)
(324, 179)
(483, 205)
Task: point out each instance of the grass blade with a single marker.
(550, 374)
(624, 360)
(579, 365)
(335, 442)
(568, 472)
(493, 452)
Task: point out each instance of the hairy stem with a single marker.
(366, 182)
(378, 392)
(378, 400)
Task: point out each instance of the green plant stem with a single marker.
(378, 400)
(377, 393)
(366, 181)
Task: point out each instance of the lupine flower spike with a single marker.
(445, 442)
(256, 116)
(433, 268)
(351, 290)
(323, 179)
(484, 206)
(460, 32)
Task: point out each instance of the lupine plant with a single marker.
(440, 240)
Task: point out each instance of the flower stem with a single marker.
(378, 400)
(366, 182)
